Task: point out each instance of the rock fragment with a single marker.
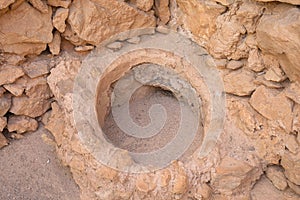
(291, 164)
(37, 68)
(59, 19)
(9, 73)
(54, 46)
(59, 3)
(21, 124)
(276, 176)
(3, 141)
(39, 5)
(5, 104)
(3, 123)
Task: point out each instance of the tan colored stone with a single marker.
(37, 68)
(94, 22)
(293, 92)
(2, 91)
(164, 178)
(294, 2)
(260, 80)
(5, 3)
(59, 19)
(180, 181)
(56, 123)
(275, 74)
(39, 5)
(32, 107)
(255, 62)
(162, 10)
(231, 175)
(276, 176)
(146, 182)
(54, 46)
(273, 106)
(21, 124)
(59, 3)
(200, 17)
(3, 141)
(234, 64)
(70, 35)
(225, 2)
(203, 191)
(3, 123)
(38, 88)
(14, 89)
(84, 48)
(13, 59)
(144, 5)
(291, 164)
(5, 104)
(278, 34)
(292, 144)
(9, 73)
(294, 187)
(239, 83)
(296, 120)
(29, 34)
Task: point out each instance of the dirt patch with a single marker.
(31, 170)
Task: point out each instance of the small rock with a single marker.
(275, 74)
(164, 178)
(5, 3)
(294, 187)
(3, 123)
(32, 107)
(276, 176)
(9, 73)
(291, 164)
(221, 63)
(115, 45)
(21, 124)
(46, 117)
(255, 61)
(203, 191)
(144, 5)
(134, 40)
(292, 144)
(12, 59)
(39, 5)
(146, 183)
(235, 64)
(162, 29)
(239, 83)
(5, 104)
(59, 3)
(84, 48)
(293, 92)
(37, 68)
(59, 19)
(2, 91)
(38, 88)
(273, 106)
(162, 10)
(260, 80)
(54, 46)
(3, 141)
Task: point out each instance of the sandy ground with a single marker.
(30, 170)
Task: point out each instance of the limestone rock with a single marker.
(29, 33)
(293, 92)
(3, 141)
(232, 175)
(273, 106)
(278, 34)
(96, 21)
(59, 3)
(5, 3)
(59, 19)
(276, 176)
(3, 123)
(255, 61)
(144, 5)
(294, 187)
(37, 68)
(2, 91)
(146, 182)
(32, 107)
(5, 104)
(294, 2)
(54, 46)
(162, 10)
(225, 2)
(200, 17)
(275, 74)
(296, 120)
(235, 64)
(291, 164)
(21, 124)
(239, 83)
(9, 73)
(203, 192)
(38, 88)
(292, 144)
(84, 48)
(40, 5)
